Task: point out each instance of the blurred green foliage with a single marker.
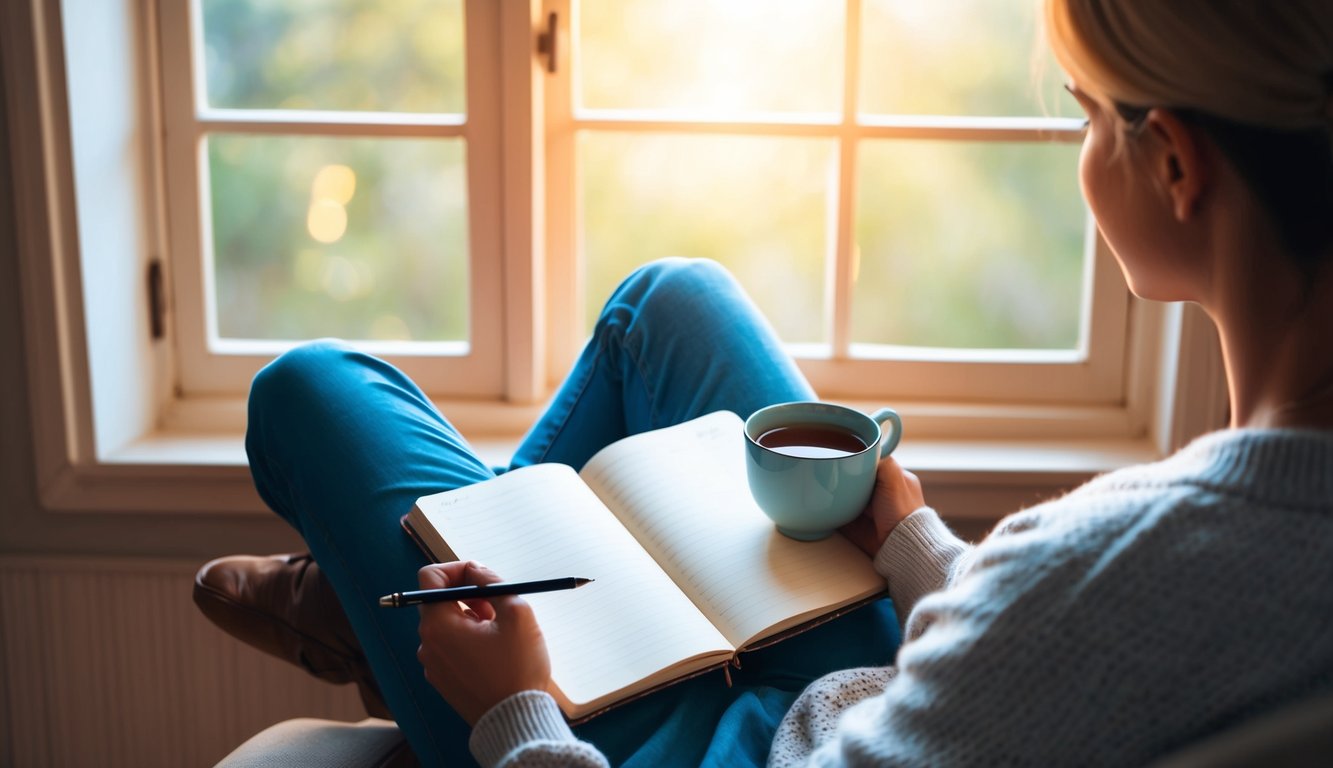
(960, 244)
(358, 55)
(969, 245)
(757, 205)
(957, 57)
(398, 269)
(730, 56)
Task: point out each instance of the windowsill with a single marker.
(997, 440)
(993, 458)
(228, 450)
(977, 480)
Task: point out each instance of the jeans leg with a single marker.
(341, 445)
(679, 338)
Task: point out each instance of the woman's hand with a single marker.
(897, 494)
(477, 656)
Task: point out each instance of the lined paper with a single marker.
(682, 491)
(610, 636)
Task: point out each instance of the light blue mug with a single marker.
(811, 465)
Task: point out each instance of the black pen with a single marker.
(416, 597)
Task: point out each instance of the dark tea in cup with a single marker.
(812, 441)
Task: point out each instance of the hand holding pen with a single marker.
(477, 656)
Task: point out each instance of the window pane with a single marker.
(356, 238)
(957, 57)
(731, 57)
(356, 55)
(757, 205)
(969, 245)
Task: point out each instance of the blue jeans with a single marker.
(341, 445)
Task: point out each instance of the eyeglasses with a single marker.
(1133, 116)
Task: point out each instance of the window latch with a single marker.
(157, 300)
(546, 42)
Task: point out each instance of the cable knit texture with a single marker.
(527, 730)
(1146, 610)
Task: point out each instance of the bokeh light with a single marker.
(326, 221)
(334, 182)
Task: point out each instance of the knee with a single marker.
(678, 273)
(676, 284)
(296, 374)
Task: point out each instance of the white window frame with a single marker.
(112, 431)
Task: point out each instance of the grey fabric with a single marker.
(1295, 737)
(311, 743)
(1154, 607)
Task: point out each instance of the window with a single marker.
(911, 226)
(331, 171)
(904, 213)
(880, 174)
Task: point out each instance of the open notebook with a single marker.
(688, 570)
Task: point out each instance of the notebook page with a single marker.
(542, 522)
(683, 493)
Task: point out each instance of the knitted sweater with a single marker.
(1149, 608)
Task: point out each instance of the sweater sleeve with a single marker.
(527, 730)
(918, 557)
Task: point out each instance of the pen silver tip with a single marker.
(389, 601)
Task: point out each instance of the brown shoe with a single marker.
(282, 605)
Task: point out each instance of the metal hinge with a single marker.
(546, 42)
(157, 301)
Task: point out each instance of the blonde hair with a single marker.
(1261, 63)
(1256, 76)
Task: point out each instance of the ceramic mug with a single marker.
(811, 465)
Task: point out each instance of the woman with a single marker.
(1146, 610)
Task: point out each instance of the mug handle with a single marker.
(889, 441)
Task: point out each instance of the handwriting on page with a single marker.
(686, 499)
(542, 522)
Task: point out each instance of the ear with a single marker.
(1180, 163)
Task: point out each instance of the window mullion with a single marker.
(521, 118)
(183, 166)
(843, 267)
(972, 128)
(564, 271)
(322, 123)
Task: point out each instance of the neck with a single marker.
(1277, 343)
